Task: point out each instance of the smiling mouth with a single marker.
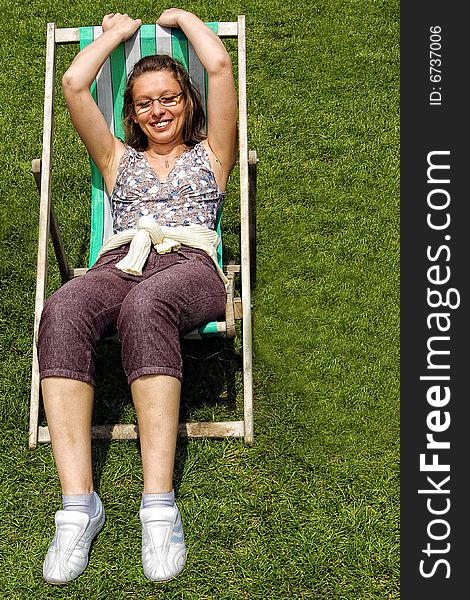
(162, 124)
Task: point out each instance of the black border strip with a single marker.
(435, 357)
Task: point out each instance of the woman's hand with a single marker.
(121, 24)
(170, 17)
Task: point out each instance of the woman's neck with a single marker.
(163, 159)
(166, 151)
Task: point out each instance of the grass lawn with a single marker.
(311, 510)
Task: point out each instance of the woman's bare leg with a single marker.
(157, 402)
(69, 404)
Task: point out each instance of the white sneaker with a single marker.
(67, 556)
(163, 548)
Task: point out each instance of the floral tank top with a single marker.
(188, 195)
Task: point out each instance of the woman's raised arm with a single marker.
(222, 99)
(87, 119)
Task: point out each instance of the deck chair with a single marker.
(107, 91)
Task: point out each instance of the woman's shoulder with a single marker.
(130, 160)
(131, 156)
(201, 150)
(131, 151)
(196, 149)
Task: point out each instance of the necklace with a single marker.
(167, 160)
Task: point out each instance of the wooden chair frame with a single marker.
(238, 308)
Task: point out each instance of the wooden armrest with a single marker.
(229, 306)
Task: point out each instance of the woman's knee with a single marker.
(71, 325)
(65, 347)
(59, 312)
(148, 329)
(86, 306)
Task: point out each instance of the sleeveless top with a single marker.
(188, 195)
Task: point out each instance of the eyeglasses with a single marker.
(145, 105)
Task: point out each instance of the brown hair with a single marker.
(194, 123)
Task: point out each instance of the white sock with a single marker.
(87, 503)
(166, 499)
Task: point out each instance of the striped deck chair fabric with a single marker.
(108, 92)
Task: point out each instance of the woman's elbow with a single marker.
(221, 63)
(67, 81)
(71, 83)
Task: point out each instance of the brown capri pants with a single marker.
(176, 293)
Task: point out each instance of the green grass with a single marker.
(312, 509)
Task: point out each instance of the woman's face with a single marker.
(161, 124)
